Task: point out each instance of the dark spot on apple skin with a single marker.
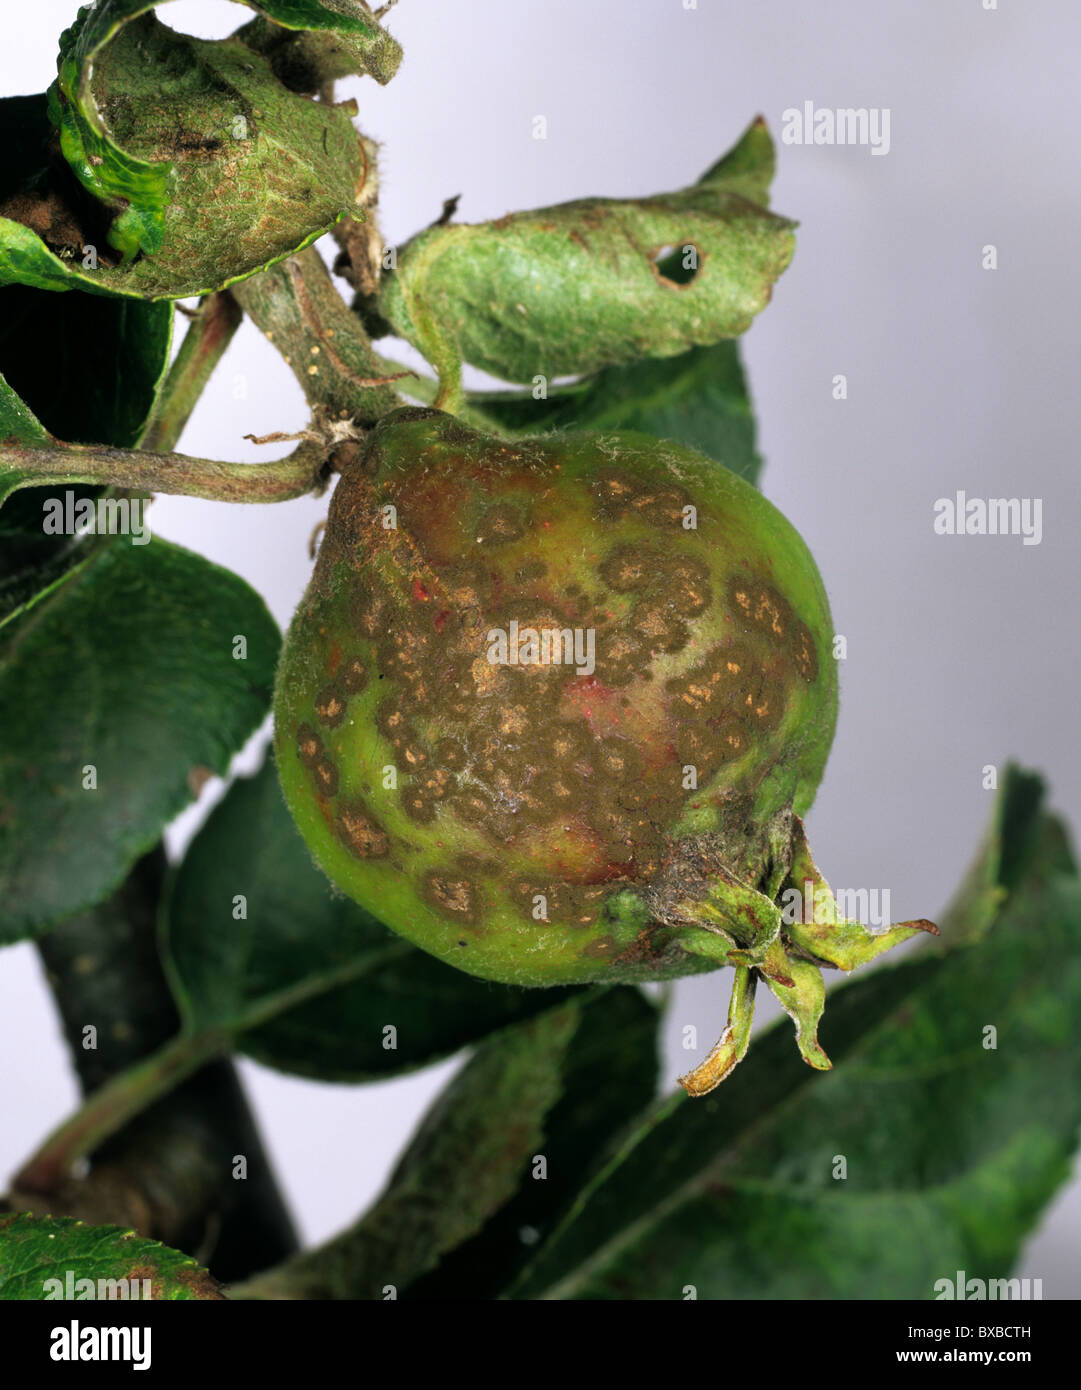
(601, 948)
(452, 895)
(574, 777)
(326, 776)
(330, 706)
(500, 525)
(806, 656)
(354, 675)
(309, 745)
(360, 832)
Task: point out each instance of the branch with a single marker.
(109, 1108)
(298, 309)
(169, 1173)
(143, 470)
(213, 327)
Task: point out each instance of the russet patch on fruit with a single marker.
(552, 709)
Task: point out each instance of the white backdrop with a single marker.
(962, 651)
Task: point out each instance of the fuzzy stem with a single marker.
(145, 471)
(204, 345)
(117, 1102)
(322, 341)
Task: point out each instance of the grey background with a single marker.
(962, 651)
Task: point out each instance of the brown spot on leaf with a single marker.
(762, 608)
(766, 705)
(198, 777)
(661, 506)
(662, 630)
(199, 1284)
(622, 656)
(614, 493)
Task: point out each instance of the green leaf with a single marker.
(75, 366)
(463, 1163)
(307, 981)
(35, 1250)
(307, 57)
(952, 1147)
(698, 399)
(477, 1149)
(28, 583)
(22, 549)
(79, 368)
(610, 1074)
(31, 563)
(169, 1173)
(88, 368)
(748, 167)
(124, 674)
(39, 197)
(159, 128)
(1021, 850)
(17, 420)
(597, 282)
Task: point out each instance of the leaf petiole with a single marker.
(108, 1109)
(144, 470)
(212, 330)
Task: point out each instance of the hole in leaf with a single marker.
(204, 19)
(677, 265)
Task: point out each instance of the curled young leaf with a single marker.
(595, 282)
(195, 163)
(306, 58)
